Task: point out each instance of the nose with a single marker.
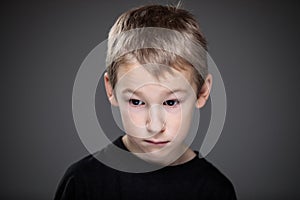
(156, 119)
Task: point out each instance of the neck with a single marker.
(185, 157)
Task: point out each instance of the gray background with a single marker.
(254, 44)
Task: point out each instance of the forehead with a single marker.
(135, 76)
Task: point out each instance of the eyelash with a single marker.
(138, 103)
(174, 101)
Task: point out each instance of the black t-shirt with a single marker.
(89, 179)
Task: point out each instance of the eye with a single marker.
(136, 102)
(171, 103)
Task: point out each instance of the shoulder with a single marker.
(214, 181)
(87, 162)
(92, 164)
(88, 166)
(212, 173)
(82, 178)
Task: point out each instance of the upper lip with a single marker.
(156, 142)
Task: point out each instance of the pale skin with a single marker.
(156, 113)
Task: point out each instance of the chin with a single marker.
(156, 159)
(164, 156)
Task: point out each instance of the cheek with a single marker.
(132, 118)
(137, 116)
(187, 116)
(174, 123)
(179, 123)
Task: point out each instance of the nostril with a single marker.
(155, 127)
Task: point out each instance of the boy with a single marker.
(156, 75)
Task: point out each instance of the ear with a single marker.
(204, 92)
(109, 91)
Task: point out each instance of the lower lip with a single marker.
(156, 143)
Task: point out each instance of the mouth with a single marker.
(158, 143)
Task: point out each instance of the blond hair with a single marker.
(158, 34)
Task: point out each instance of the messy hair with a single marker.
(166, 35)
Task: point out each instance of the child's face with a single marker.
(156, 113)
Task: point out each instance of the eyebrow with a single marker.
(168, 93)
(130, 91)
